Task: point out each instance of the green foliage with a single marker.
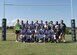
(68, 30)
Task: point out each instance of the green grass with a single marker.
(10, 47)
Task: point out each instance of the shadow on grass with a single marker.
(69, 42)
(43, 42)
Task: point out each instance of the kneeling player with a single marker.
(36, 35)
(41, 35)
(47, 34)
(58, 34)
(22, 35)
(53, 36)
(29, 34)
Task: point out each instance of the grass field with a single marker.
(10, 47)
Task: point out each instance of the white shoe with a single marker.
(34, 42)
(64, 41)
(16, 41)
(40, 41)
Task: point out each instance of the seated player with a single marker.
(22, 35)
(58, 34)
(53, 36)
(47, 34)
(36, 35)
(29, 34)
(41, 36)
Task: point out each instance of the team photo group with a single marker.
(40, 31)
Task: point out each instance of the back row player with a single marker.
(33, 26)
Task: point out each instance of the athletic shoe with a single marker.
(64, 41)
(16, 41)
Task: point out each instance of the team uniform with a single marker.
(58, 34)
(37, 25)
(28, 35)
(22, 25)
(36, 35)
(63, 28)
(46, 25)
(41, 25)
(47, 35)
(26, 25)
(32, 26)
(41, 34)
(53, 35)
(23, 35)
(51, 26)
(57, 26)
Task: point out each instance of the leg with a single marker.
(17, 37)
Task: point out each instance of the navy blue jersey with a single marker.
(52, 25)
(63, 27)
(37, 25)
(41, 25)
(26, 25)
(47, 32)
(58, 32)
(52, 32)
(41, 31)
(29, 32)
(57, 26)
(23, 31)
(22, 26)
(32, 26)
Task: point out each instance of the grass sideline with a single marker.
(10, 47)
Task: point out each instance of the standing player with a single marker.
(41, 24)
(17, 30)
(22, 25)
(32, 25)
(57, 25)
(27, 24)
(63, 29)
(51, 25)
(46, 24)
(37, 24)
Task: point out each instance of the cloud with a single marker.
(13, 21)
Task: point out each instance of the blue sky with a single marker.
(45, 13)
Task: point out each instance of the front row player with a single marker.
(22, 35)
(53, 35)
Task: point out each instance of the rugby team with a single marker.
(40, 32)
